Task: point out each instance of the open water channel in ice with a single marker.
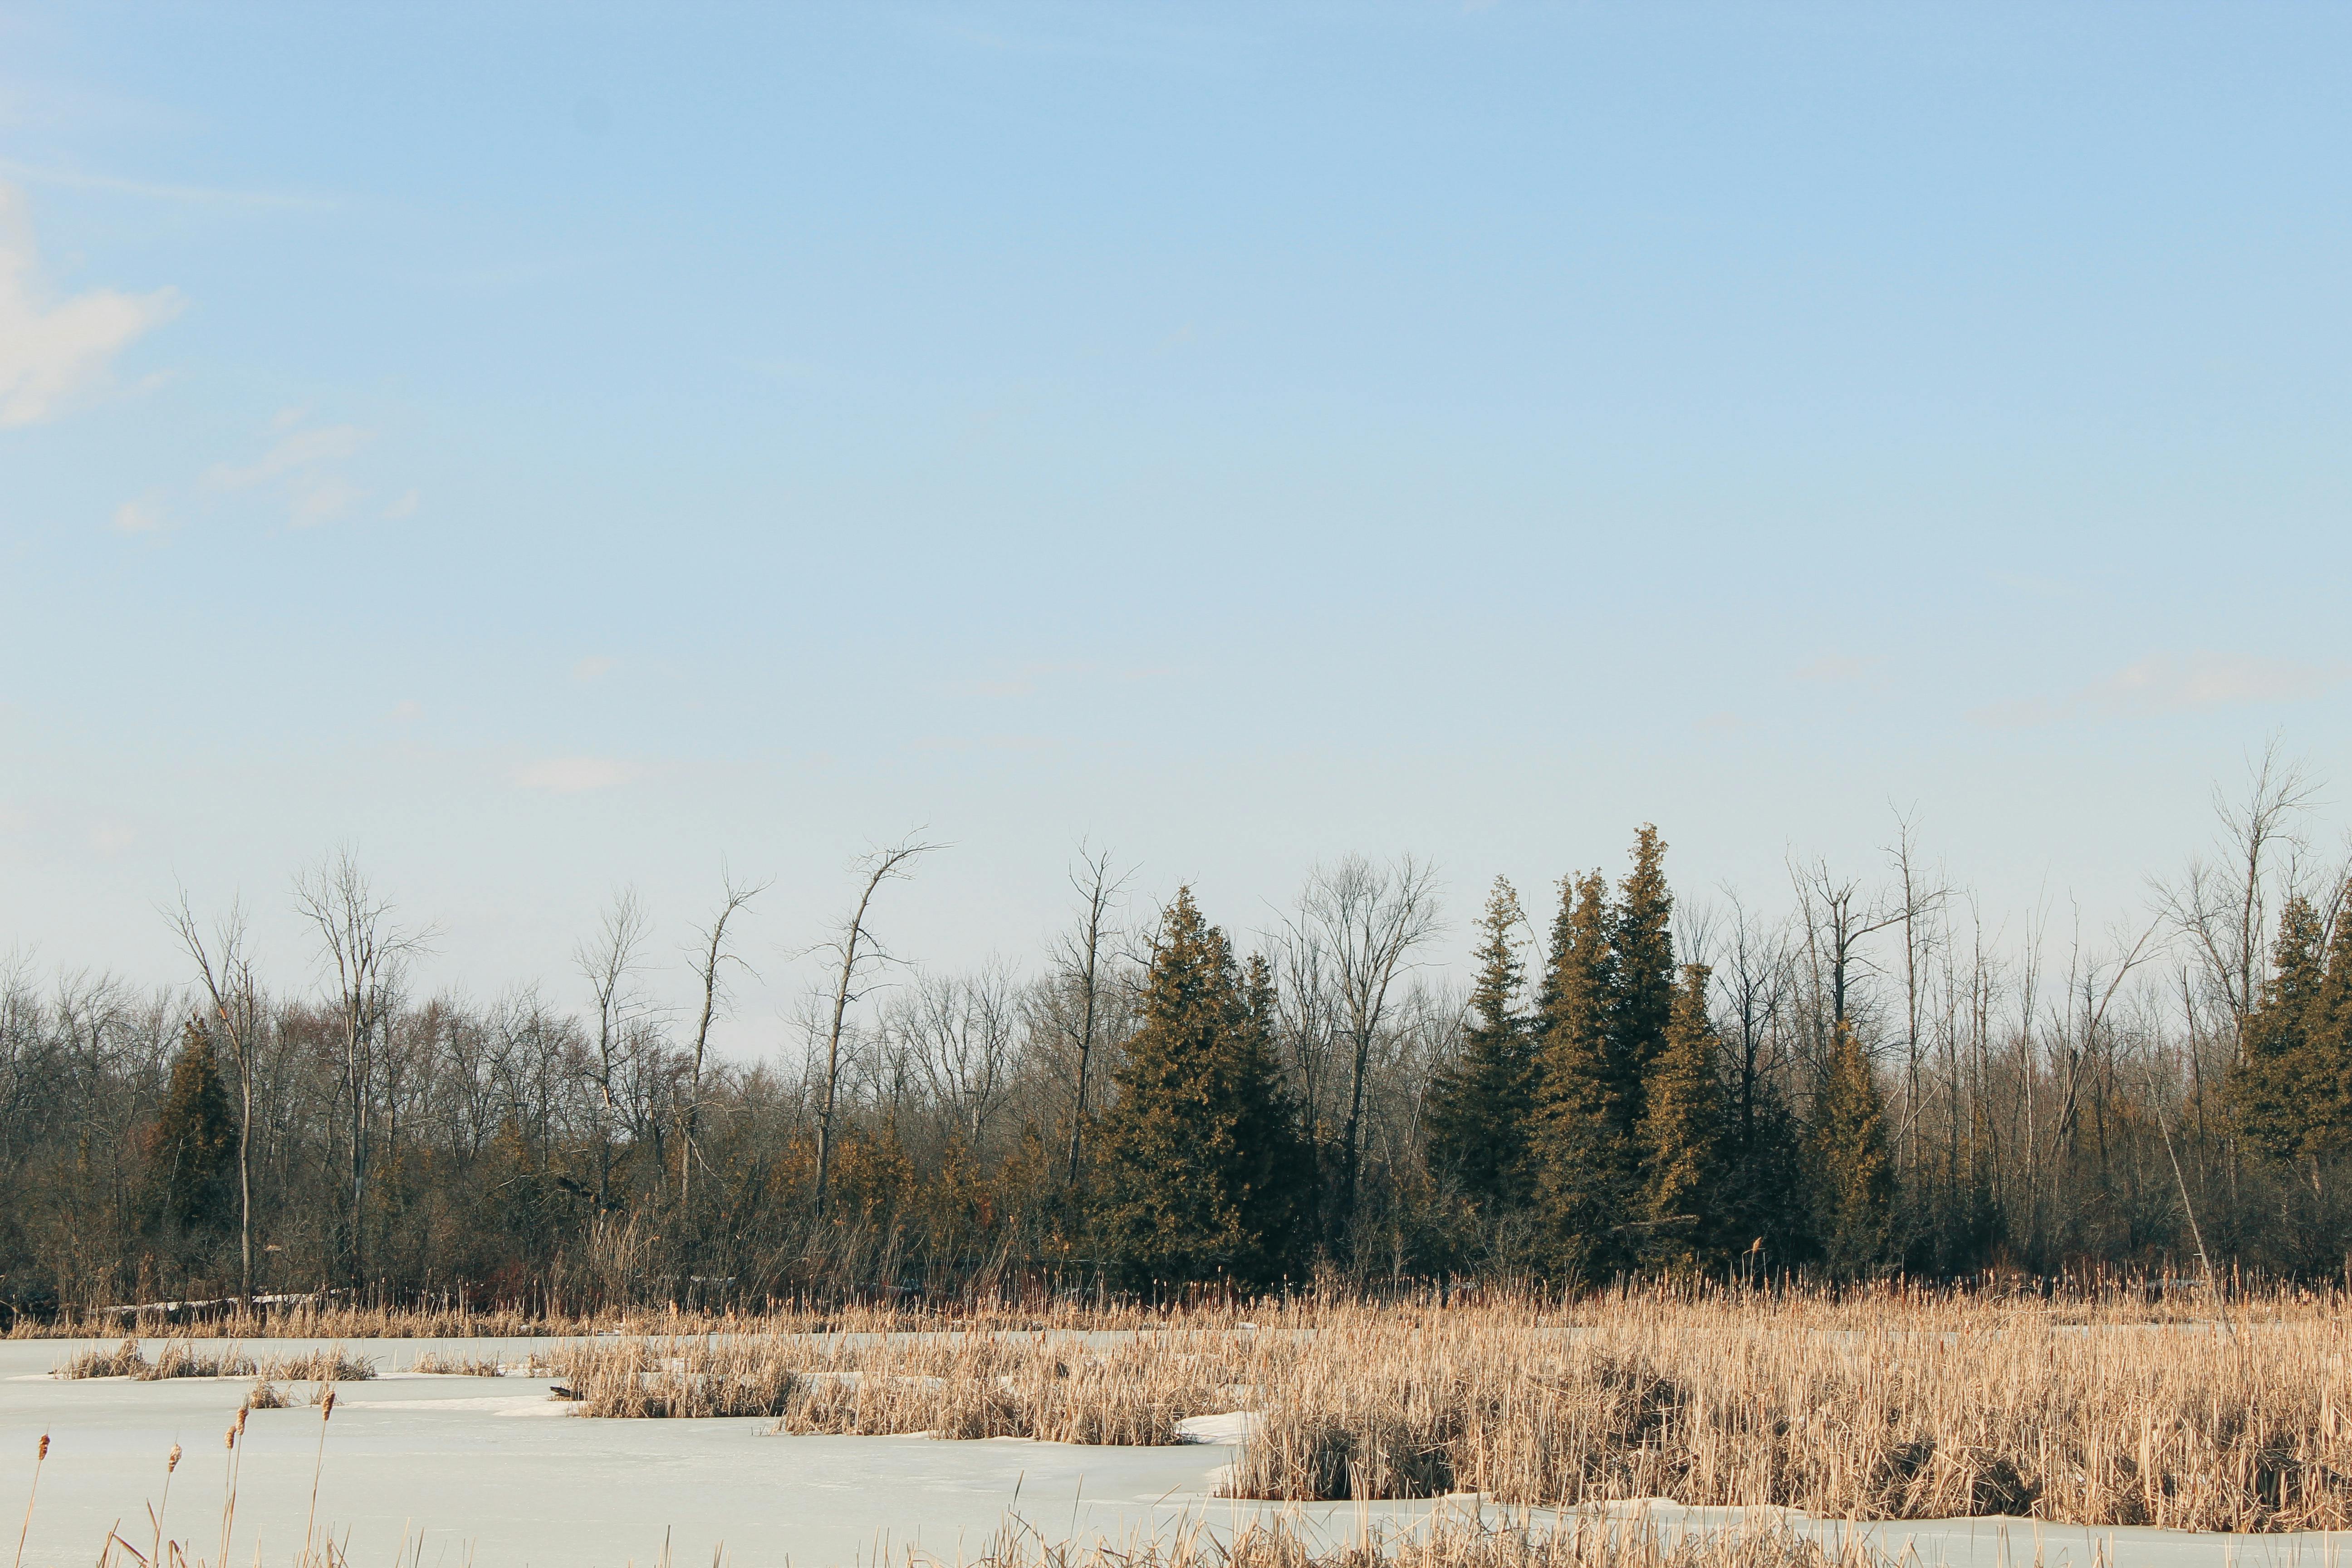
(492, 1472)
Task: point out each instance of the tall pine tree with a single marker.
(1641, 935)
(1585, 1164)
(2293, 1078)
(1481, 1107)
(192, 1148)
(1204, 1168)
(1683, 1132)
(1854, 1177)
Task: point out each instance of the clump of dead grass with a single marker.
(177, 1358)
(330, 1363)
(1884, 1408)
(1581, 1543)
(452, 1365)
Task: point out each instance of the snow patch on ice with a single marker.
(495, 1404)
(1231, 1426)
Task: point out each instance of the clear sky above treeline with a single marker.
(553, 446)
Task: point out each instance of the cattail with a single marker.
(29, 1497)
(327, 1405)
(172, 1463)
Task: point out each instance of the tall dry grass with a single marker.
(1894, 1408)
(181, 1356)
(1056, 1387)
(1900, 1406)
(1585, 1542)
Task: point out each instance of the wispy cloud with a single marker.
(302, 463)
(144, 516)
(590, 667)
(302, 449)
(573, 776)
(53, 351)
(2169, 683)
(403, 505)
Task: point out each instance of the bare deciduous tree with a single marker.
(1079, 958)
(366, 952)
(225, 967)
(611, 962)
(711, 958)
(857, 955)
(1371, 920)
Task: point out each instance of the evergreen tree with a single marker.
(1202, 1163)
(2328, 1079)
(1683, 1132)
(1481, 1107)
(192, 1148)
(1642, 940)
(1586, 1178)
(1853, 1178)
(2292, 1084)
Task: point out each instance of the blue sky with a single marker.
(549, 447)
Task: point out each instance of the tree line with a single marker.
(1872, 1079)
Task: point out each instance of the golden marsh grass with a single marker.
(1893, 1406)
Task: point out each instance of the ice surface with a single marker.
(492, 1472)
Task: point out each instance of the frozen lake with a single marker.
(493, 1472)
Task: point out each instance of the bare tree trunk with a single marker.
(857, 952)
(714, 957)
(1083, 963)
(611, 966)
(226, 971)
(366, 952)
(1371, 920)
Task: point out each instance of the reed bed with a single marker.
(176, 1359)
(1058, 1388)
(1896, 1406)
(446, 1365)
(184, 1357)
(1583, 1543)
(1872, 1410)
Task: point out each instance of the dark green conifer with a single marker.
(2289, 1086)
(1202, 1165)
(1684, 1133)
(192, 1148)
(1586, 1178)
(1853, 1178)
(1481, 1107)
(1641, 933)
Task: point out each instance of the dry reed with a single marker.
(440, 1365)
(179, 1357)
(1893, 1406)
(1582, 1543)
(175, 1359)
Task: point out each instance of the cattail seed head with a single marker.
(228, 1439)
(242, 1411)
(327, 1407)
(45, 1447)
(172, 1463)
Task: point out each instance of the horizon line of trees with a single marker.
(1864, 1085)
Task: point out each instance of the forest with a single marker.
(1873, 1078)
